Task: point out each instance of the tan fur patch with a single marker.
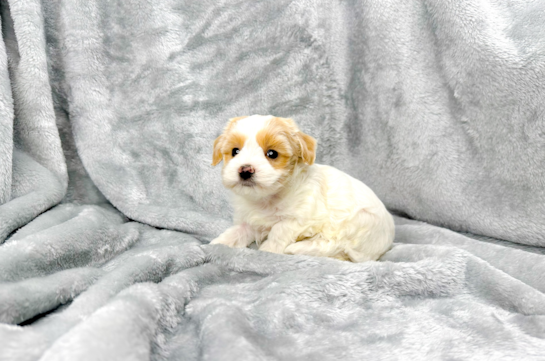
(277, 136)
(220, 142)
(216, 154)
(232, 140)
(308, 147)
(282, 133)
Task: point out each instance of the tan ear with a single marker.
(308, 147)
(216, 155)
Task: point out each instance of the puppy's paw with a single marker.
(273, 247)
(297, 248)
(229, 240)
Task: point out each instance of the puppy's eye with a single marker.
(235, 151)
(272, 154)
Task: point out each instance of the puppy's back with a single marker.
(360, 221)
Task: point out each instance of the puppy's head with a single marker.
(260, 153)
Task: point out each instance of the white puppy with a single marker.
(287, 204)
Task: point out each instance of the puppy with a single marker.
(288, 204)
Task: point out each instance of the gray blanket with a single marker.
(108, 110)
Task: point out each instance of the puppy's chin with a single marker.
(251, 189)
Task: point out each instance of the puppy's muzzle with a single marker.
(246, 171)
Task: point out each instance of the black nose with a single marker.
(245, 172)
(245, 175)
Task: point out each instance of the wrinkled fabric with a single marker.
(108, 110)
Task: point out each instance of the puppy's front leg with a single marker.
(282, 234)
(237, 236)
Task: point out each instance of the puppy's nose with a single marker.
(246, 171)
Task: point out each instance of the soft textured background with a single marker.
(108, 110)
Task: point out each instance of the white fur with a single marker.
(319, 211)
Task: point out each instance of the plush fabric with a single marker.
(108, 110)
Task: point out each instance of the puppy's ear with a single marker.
(216, 155)
(308, 147)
